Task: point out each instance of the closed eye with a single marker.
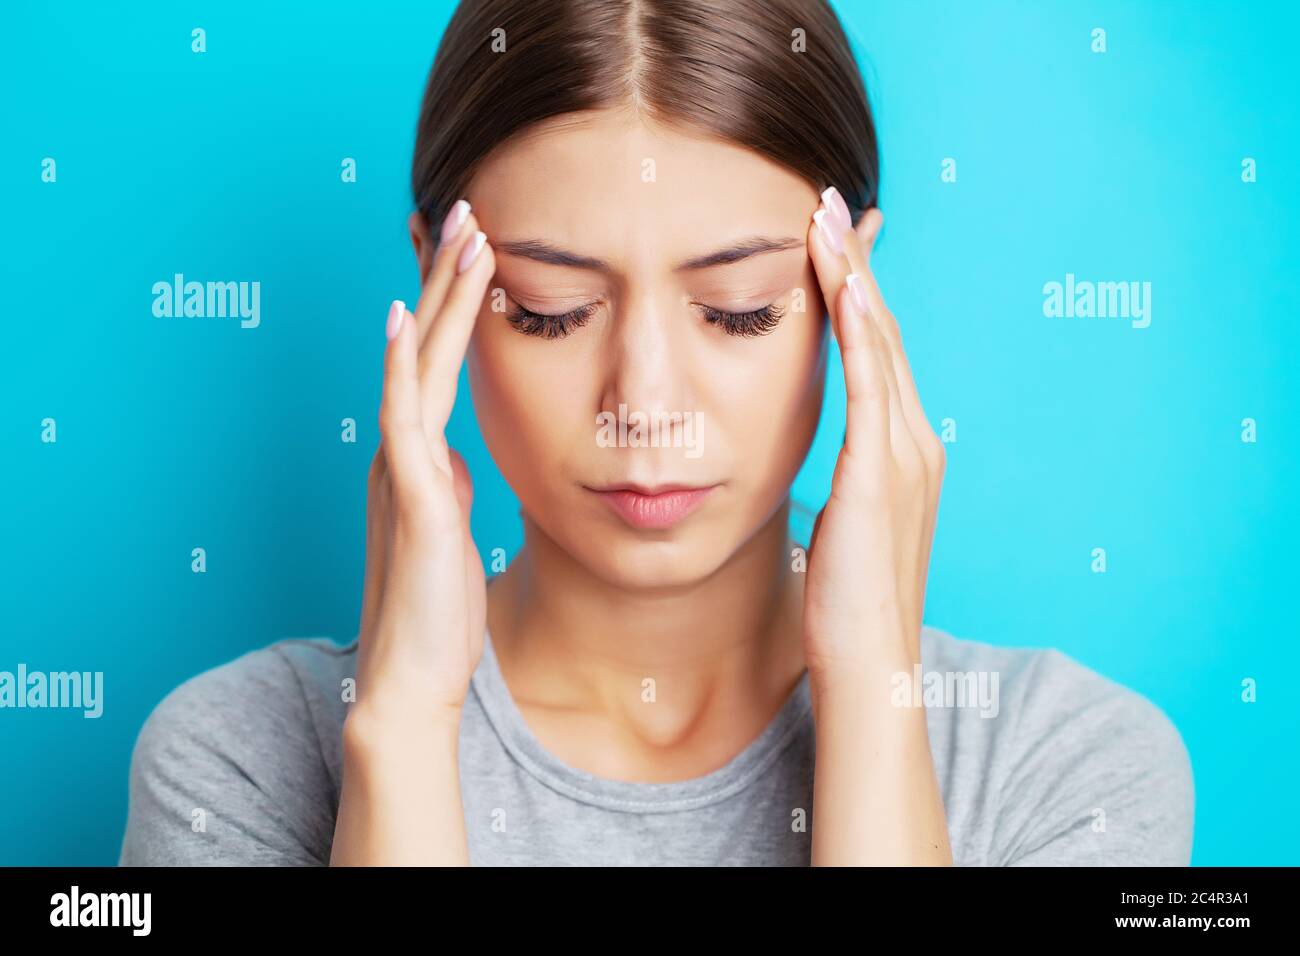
(754, 322)
(549, 326)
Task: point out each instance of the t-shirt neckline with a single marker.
(626, 795)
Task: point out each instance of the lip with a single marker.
(653, 508)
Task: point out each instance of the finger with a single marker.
(868, 229)
(900, 445)
(464, 484)
(833, 247)
(377, 522)
(903, 440)
(472, 564)
(867, 412)
(918, 452)
(443, 350)
(812, 538)
(879, 312)
(914, 412)
(857, 254)
(828, 262)
(838, 250)
(857, 249)
(458, 226)
(406, 456)
(932, 517)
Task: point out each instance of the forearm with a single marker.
(401, 802)
(876, 799)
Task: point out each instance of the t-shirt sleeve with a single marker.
(1100, 775)
(227, 770)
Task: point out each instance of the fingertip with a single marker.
(826, 233)
(473, 247)
(454, 221)
(401, 331)
(409, 334)
(460, 224)
(396, 319)
(486, 258)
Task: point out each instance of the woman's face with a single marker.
(694, 313)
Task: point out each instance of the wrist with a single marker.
(859, 641)
(375, 730)
(861, 685)
(864, 663)
(400, 802)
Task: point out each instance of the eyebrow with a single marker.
(543, 252)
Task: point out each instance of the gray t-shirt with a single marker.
(1041, 761)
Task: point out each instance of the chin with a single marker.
(640, 561)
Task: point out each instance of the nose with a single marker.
(646, 371)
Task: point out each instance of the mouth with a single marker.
(653, 508)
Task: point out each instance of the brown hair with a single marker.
(729, 68)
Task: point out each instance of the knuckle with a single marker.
(860, 480)
(421, 512)
(390, 419)
(936, 455)
(940, 455)
(414, 516)
(891, 325)
(378, 469)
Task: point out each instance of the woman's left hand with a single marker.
(876, 796)
(870, 548)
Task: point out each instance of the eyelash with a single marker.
(752, 323)
(550, 326)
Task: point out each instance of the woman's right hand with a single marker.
(422, 618)
(423, 608)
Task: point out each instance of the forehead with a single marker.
(615, 182)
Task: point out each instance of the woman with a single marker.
(640, 222)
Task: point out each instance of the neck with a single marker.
(565, 636)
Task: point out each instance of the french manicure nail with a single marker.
(839, 209)
(470, 252)
(827, 227)
(455, 219)
(395, 313)
(858, 292)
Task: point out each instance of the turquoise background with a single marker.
(1072, 434)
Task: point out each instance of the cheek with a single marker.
(780, 372)
(524, 398)
(773, 401)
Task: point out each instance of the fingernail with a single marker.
(455, 219)
(470, 252)
(826, 225)
(395, 313)
(858, 292)
(839, 208)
